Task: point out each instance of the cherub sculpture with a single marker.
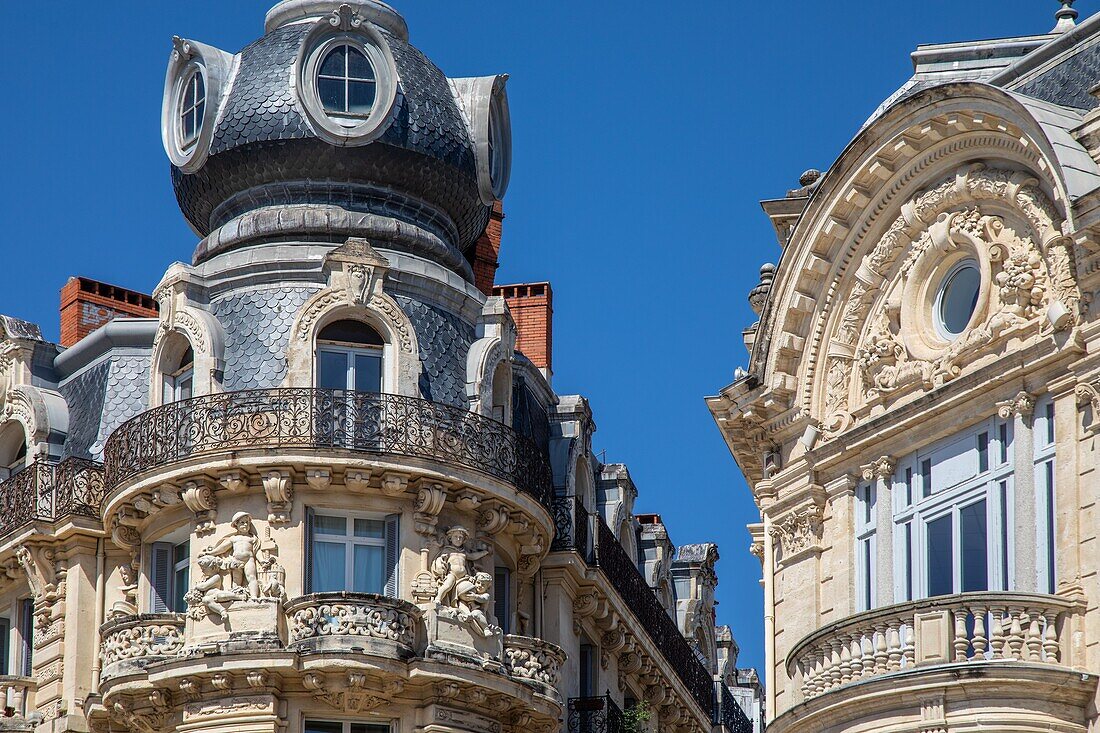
(473, 596)
(231, 569)
(453, 565)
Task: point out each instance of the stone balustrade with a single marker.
(131, 642)
(17, 695)
(958, 629)
(341, 620)
(534, 661)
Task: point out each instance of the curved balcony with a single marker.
(965, 629)
(343, 621)
(132, 642)
(48, 492)
(325, 419)
(535, 662)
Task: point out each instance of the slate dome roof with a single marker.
(265, 154)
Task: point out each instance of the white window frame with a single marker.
(192, 73)
(156, 603)
(345, 116)
(1045, 478)
(913, 508)
(389, 543)
(866, 546)
(345, 725)
(349, 353)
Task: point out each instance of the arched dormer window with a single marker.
(349, 356)
(179, 378)
(13, 449)
(502, 393)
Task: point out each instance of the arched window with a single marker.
(346, 82)
(502, 392)
(13, 449)
(179, 378)
(349, 356)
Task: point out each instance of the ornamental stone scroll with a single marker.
(356, 275)
(182, 326)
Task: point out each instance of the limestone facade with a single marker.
(924, 461)
(319, 489)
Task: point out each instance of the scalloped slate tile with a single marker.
(444, 341)
(84, 395)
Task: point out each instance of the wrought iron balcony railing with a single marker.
(595, 715)
(571, 527)
(729, 714)
(325, 419)
(48, 492)
(967, 628)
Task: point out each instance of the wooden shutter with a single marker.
(393, 539)
(160, 576)
(308, 580)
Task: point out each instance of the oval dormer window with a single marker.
(346, 83)
(957, 299)
(191, 108)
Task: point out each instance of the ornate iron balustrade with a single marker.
(48, 492)
(730, 715)
(595, 715)
(623, 575)
(965, 628)
(571, 527)
(325, 419)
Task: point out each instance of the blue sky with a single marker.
(644, 135)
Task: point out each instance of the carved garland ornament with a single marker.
(1027, 276)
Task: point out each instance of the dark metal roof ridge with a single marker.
(121, 332)
(1034, 61)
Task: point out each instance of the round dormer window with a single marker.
(957, 299)
(191, 107)
(347, 83)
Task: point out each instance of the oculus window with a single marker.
(957, 299)
(346, 81)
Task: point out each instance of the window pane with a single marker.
(370, 576)
(180, 589)
(184, 387)
(317, 726)
(975, 564)
(333, 65)
(188, 93)
(330, 525)
(370, 728)
(359, 65)
(328, 567)
(959, 298)
(332, 370)
(200, 88)
(200, 110)
(360, 97)
(940, 557)
(331, 92)
(375, 528)
(983, 452)
(181, 552)
(368, 373)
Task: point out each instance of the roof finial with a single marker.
(1066, 16)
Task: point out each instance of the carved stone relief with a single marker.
(236, 568)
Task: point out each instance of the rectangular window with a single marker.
(358, 369)
(940, 557)
(588, 670)
(502, 595)
(350, 553)
(345, 726)
(1049, 411)
(5, 645)
(26, 637)
(866, 553)
(908, 485)
(1002, 431)
(169, 568)
(865, 545)
(983, 452)
(975, 541)
(926, 477)
(1003, 491)
(909, 561)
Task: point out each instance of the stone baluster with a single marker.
(980, 640)
(845, 658)
(881, 648)
(1050, 639)
(1015, 634)
(961, 642)
(805, 665)
(997, 632)
(908, 647)
(18, 699)
(858, 666)
(893, 648)
(1034, 638)
(834, 665)
(821, 670)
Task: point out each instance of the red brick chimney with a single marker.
(487, 251)
(87, 304)
(532, 307)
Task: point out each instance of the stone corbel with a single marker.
(430, 498)
(279, 488)
(234, 482)
(357, 481)
(124, 534)
(199, 497)
(394, 484)
(1088, 393)
(1023, 404)
(493, 519)
(467, 500)
(319, 479)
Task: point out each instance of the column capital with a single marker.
(1023, 404)
(880, 468)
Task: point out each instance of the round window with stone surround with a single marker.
(957, 299)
